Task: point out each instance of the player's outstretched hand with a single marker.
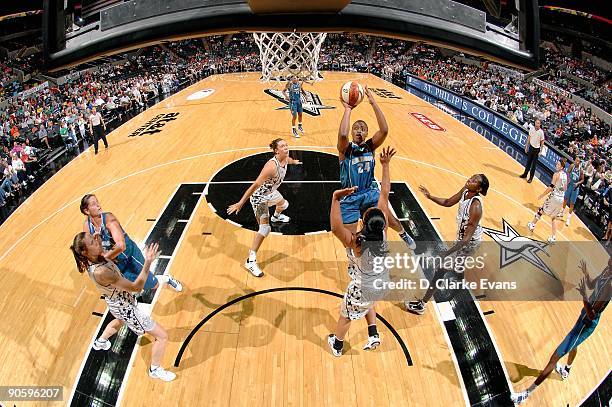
(151, 252)
(235, 208)
(341, 193)
(346, 105)
(424, 191)
(583, 268)
(582, 289)
(369, 94)
(386, 154)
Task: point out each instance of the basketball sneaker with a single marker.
(552, 239)
(295, 133)
(301, 129)
(331, 340)
(253, 268)
(175, 284)
(161, 374)
(280, 218)
(416, 307)
(531, 226)
(373, 343)
(519, 398)
(408, 240)
(562, 370)
(101, 344)
(567, 222)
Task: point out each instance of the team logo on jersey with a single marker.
(311, 104)
(515, 247)
(384, 93)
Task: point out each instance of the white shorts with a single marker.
(138, 321)
(553, 205)
(261, 204)
(353, 305)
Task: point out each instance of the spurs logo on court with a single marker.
(154, 125)
(516, 247)
(312, 104)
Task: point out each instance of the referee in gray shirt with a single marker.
(535, 142)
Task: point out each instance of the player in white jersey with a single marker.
(365, 245)
(118, 292)
(469, 231)
(263, 193)
(553, 206)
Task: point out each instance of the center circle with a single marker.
(308, 187)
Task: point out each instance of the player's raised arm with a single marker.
(343, 132)
(385, 183)
(266, 172)
(383, 129)
(335, 217)
(447, 202)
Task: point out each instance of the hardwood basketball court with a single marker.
(270, 348)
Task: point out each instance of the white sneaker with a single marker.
(162, 374)
(175, 284)
(295, 133)
(562, 370)
(531, 226)
(331, 339)
(552, 239)
(373, 343)
(567, 222)
(416, 307)
(519, 398)
(300, 128)
(103, 344)
(253, 268)
(280, 218)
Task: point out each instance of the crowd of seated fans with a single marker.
(57, 116)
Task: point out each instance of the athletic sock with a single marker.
(163, 279)
(569, 216)
(372, 331)
(338, 344)
(252, 255)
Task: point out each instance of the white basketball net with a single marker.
(286, 54)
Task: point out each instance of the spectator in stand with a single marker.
(42, 135)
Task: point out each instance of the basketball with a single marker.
(352, 93)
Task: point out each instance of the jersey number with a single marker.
(361, 168)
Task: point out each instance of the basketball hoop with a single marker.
(286, 54)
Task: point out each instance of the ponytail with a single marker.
(77, 246)
(374, 224)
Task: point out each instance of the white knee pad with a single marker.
(264, 229)
(285, 205)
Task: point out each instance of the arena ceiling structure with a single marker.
(455, 24)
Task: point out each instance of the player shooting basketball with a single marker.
(357, 168)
